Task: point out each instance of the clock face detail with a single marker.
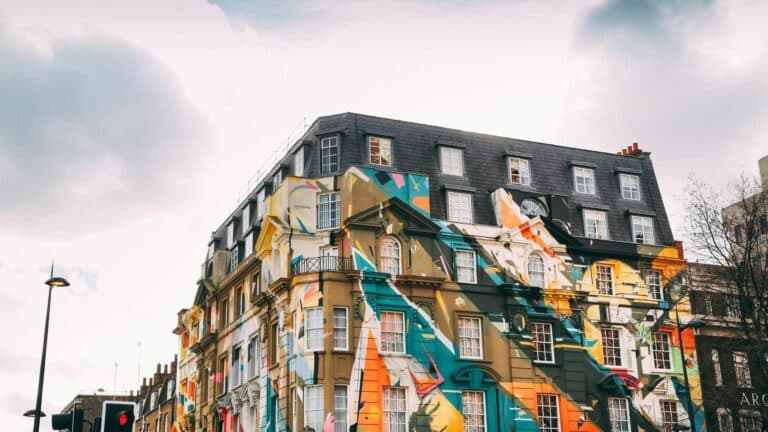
(532, 208)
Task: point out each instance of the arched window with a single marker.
(390, 255)
(536, 271)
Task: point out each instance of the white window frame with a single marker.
(401, 332)
(298, 162)
(642, 230)
(463, 266)
(235, 370)
(391, 260)
(664, 405)
(340, 408)
(741, 362)
(630, 186)
(465, 339)
(477, 413)
(604, 278)
(523, 171)
(587, 183)
(664, 339)
(230, 233)
(388, 410)
(341, 329)
(252, 355)
(537, 274)
(329, 154)
(655, 284)
(260, 203)
(608, 337)
(277, 179)
(543, 348)
(452, 161)
(383, 155)
(724, 420)
(313, 329)
(248, 244)
(600, 220)
(328, 208)
(618, 414)
(545, 408)
(750, 420)
(714, 356)
(460, 206)
(314, 396)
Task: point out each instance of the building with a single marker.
(92, 404)
(389, 275)
(156, 401)
(735, 393)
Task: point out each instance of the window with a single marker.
(329, 155)
(715, 355)
(329, 260)
(470, 337)
(260, 200)
(277, 179)
(223, 313)
(642, 230)
(390, 256)
(230, 234)
(452, 161)
(275, 337)
(519, 171)
(708, 304)
(549, 412)
(340, 408)
(380, 151)
(473, 410)
(248, 245)
(246, 225)
(584, 179)
(234, 258)
(724, 420)
(741, 369)
(543, 343)
(251, 356)
(750, 421)
(340, 326)
(255, 284)
(653, 281)
(611, 338)
(668, 415)
(298, 163)
(536, 270)
(394, 409)
(235, 371)
(459, 207)
(392, 332)
(221, 376)
(661, 351)
(605, 279)
(595, 225)
(328, 210)
(630, 186)
(466, 266)
(313, 407)
(732, 306)
(618, 411)
(241, 302)
(313, 329)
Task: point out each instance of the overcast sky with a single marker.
(127, 129)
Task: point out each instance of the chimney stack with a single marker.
(632, 150)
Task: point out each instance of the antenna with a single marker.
(138, 379)
(114, 382)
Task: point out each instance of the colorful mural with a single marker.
(382, 318)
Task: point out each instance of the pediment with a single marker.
(412, 220)
(271, 226)
(476, 376)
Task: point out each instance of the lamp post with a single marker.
(52, 282)
(694, 323)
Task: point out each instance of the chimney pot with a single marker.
(629, 149)
(623, 152)
(634, 147)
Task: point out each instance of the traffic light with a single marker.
(117, 416)
(73, 421)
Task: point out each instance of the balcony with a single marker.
(322, 264)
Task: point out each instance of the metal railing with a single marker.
(322, 263)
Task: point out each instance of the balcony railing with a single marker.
(323, 263)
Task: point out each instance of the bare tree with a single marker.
(731, 231)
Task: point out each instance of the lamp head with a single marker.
(57, 282)
(32, 413)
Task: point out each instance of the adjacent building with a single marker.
(156, 401)
(92, 404)
(396, 276)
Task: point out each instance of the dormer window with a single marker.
(584, 180)
(260, 198)
(298, 163)
(246, 218)
(390, 256)
(630, 186)
(519, 171)
(536, 271)
(230, 234)
(277, 179)
(451, 161)
(379, 151)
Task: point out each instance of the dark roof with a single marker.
(415, 151)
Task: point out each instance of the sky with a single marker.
(129, 129)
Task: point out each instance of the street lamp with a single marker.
(52, 282)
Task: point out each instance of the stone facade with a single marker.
(156, 401)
